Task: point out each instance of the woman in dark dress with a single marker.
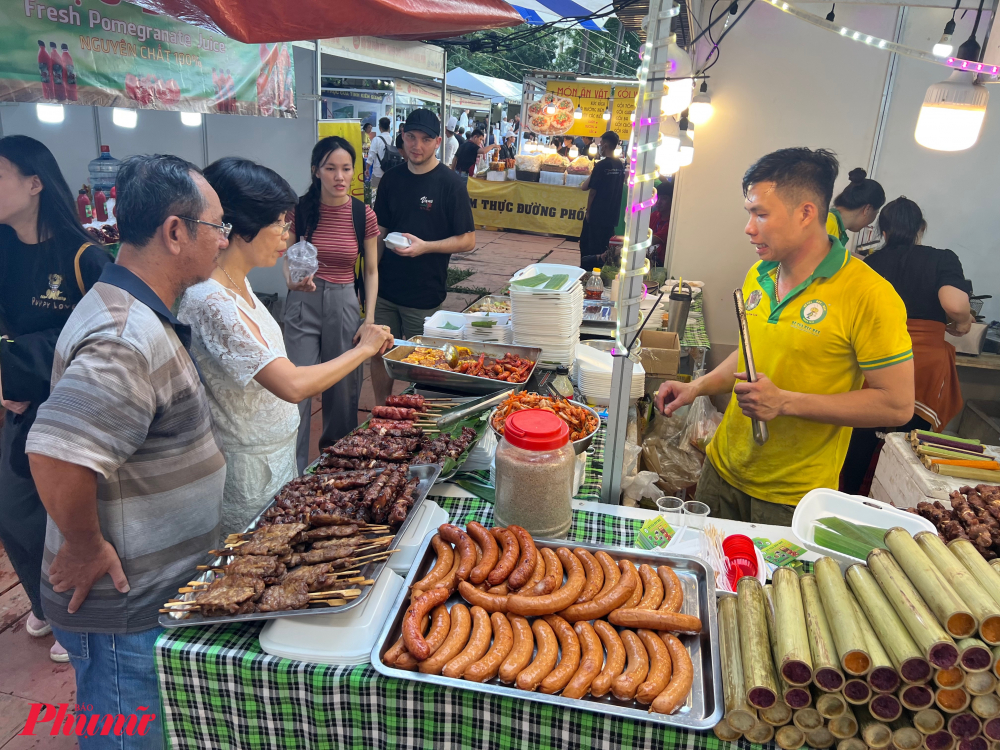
(936, 294)
(47, 262)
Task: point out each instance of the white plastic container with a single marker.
(823, 503)
(434, 325)
(575, 273)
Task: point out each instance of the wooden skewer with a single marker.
(168, 611)
(331, 602)
(340, 592)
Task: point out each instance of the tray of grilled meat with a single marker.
(629, 633)
(317, 547)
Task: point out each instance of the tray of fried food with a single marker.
(615, 631)
(316, 546)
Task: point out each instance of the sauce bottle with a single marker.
(57, 72)
(45, 71)
(69, 74)
(595, 286)
(83, 207)
(100, 209)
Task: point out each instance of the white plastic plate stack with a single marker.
(499, 334)
(434, 326)
(593, 373)
(548, 318)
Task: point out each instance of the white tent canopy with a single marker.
(496, 89)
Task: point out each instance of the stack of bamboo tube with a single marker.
(901, 652)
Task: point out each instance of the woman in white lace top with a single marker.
(252, 387)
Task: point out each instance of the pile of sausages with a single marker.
(573, 599)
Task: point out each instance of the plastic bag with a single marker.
(302, 262)
(639, 486)
(702, 421)
(665, 451)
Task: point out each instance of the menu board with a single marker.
(594, 99)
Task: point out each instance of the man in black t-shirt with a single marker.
(429, 205)
(604, 203)
(469, 151)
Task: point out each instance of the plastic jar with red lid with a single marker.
(534, 474)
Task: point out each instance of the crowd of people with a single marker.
(153, 405)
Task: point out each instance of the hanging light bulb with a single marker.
(678, 61)
(701, 110)
(686, 147)
(550, 109)
(592, 151)
(944, 47)
(578, 114)
(952, 114)
(678, 96)
(670, 135)
(573, 152)
(607, 114)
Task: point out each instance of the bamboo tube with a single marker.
(991, 729)
(857, 692)
(885, 707)
(996, 661)
(725, 732)
(953, 677)
(826, 666)
(976, 564)
(883, 677)
(755, 647)
(953, 613)
(980, 683)
(848, 636)
(807, 719)
(940, 740)
(829, 705)
(916, 697)
(981, 604)
(935, 644)
(790, 737)
(793, 658)
(906, 656)
(974, 743)
(904, 735)
(820, 738)
(761, 734)
(777, 715)
(875, 734)
(952, 701)
(986, 706)
(962, 472)
(796, 696)
(974, 655)
(843, 726)
(851, 743)
(739, 715)
(964, 725)
(928, 720)
(995, 564)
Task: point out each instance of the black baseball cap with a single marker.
(425, 121)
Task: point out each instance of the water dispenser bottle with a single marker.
(103, 171)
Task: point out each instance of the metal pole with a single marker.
(641, 161)
(444, 98)
(319, 85)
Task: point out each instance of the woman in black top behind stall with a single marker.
(47, 260)
(936, 294)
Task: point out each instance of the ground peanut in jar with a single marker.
(534, 474)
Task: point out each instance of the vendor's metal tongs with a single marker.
(760, 433)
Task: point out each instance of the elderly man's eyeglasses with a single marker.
(224, 229)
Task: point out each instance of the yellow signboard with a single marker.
(530, 206)
(594, 99)
(350, 131)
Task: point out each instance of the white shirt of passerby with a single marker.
(504, 128)
(378, 147)
(450, 149)
(463, 121)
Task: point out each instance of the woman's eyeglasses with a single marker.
(285, 226)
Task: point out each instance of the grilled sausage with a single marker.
(464, 546)
(553, 575)
(445, 558)
(659, 667)
(501, 589)
(399, 647)
(412, 632)
(450, 580)
(595, 575)
(636, 594)
(611, 572)
(569, 661)
(440, 625)
(537, 576)
(677, 690)
(476, 648)
(552, 603)
(591, 661)
(652, 588)
(616, 658)
(477, 598)
(673, 592)
(510, 550)
(458, 636)
(529, 558)
(623, 687)
(548, 651)
(503, 640)
(490, 550)
(655, 620)
(521, 650)
(607, 600)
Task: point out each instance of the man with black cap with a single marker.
(429, 205)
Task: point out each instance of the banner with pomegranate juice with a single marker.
(114, 54)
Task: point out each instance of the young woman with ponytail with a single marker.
(856, 207)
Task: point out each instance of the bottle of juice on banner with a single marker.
(100, 206)
(83, 207)
(45, 71)
(69, 74)
(57, 72)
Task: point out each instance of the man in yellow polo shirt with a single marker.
(821, 324)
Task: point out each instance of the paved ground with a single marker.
(26, 673)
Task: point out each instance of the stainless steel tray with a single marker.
(427, 474)
(704, 706)
(456, 381)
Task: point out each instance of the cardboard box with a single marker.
(661, 352)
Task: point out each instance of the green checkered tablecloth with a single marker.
(220, 690)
